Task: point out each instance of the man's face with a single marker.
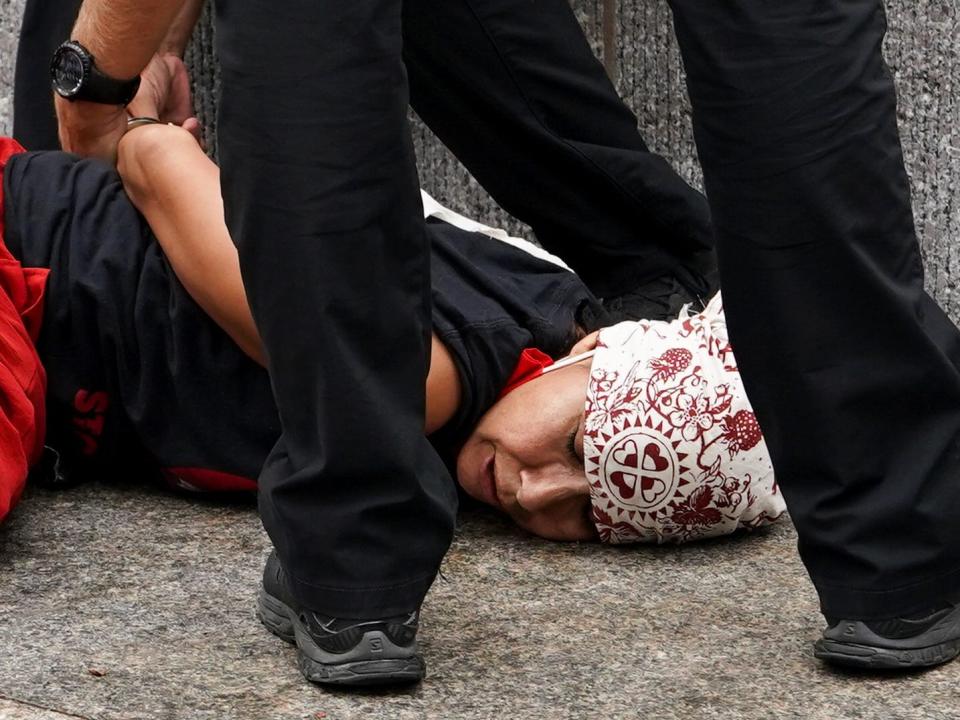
(526, 456)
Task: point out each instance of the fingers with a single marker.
(174, 63)
(152, 95)
(178, 107)
(192, 126)
(95, 130)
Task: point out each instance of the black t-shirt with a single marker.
(490, 301)
(118, 322)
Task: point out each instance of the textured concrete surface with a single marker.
(122, 604)
(13, 710)
(10, 16)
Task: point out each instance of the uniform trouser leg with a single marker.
(46, 24)
(513, 89)
(852, 368)
(322, 199)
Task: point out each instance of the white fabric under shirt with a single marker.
(431, 208)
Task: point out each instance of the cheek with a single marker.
(523, 440)
(529, 410)
(534, 418)
(507, 413)
(510, 422)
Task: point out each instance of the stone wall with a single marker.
(10, 11)
(635, 40)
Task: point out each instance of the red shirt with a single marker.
(22, 378)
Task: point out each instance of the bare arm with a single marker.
(122, 35)
(181, 28)
(177, 188)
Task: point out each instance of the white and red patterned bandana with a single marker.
(672, 448)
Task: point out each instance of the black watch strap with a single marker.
(76, 77)
(103, 89)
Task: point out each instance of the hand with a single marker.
(164, 91)
(90, 129)
(165, 94)
(94, 130)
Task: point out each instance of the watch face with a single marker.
(69, 68)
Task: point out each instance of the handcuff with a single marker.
(142, 120)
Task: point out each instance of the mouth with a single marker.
(488, 475)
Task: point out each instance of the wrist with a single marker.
(114, 64)
(94, 113)
(133, 159)
(145, 145)
(90, 129)
(141, 141)
(143, 106)
(75, 75)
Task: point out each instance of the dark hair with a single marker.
(589, 316)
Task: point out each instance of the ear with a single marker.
(585, 344)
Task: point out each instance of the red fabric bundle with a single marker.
(529, 367)
(22, 378)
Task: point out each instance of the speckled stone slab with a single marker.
(10, 17)
(129, 603)
(13, 710)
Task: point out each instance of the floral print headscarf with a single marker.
(672, 449)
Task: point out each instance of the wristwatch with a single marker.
(75, 77)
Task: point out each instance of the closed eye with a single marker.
(572, 445)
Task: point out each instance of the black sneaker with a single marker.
(659, 299)
(899, 644)
(337, 651)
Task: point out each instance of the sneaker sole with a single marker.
(375, 660)
(866, 657)
(275, 617)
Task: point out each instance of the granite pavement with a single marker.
(129, 603)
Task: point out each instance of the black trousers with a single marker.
(500, 81)
(851, 367)
(321, 196)
(46, 24)
(513, 89)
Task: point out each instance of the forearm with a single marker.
(181, 28)
(124, 34)
(177, 189)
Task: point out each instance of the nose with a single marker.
(545, 486)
